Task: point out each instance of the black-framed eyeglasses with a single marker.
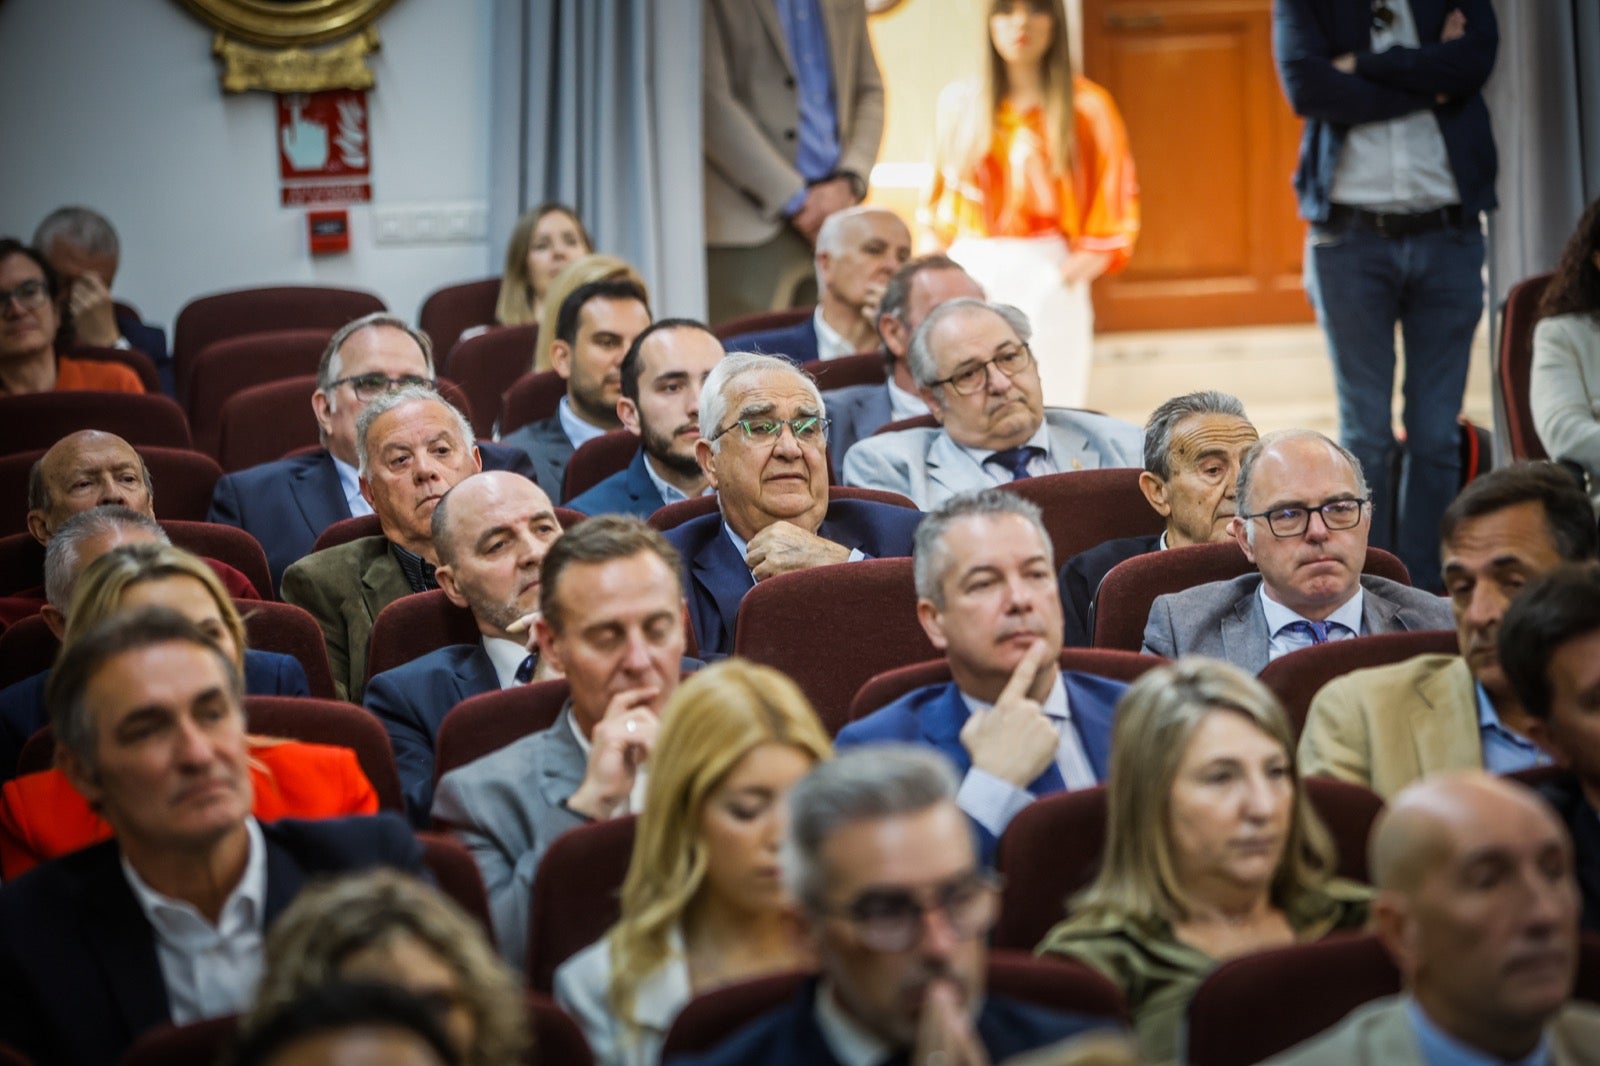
(1293, 521)
(891, 919)
(1382, 15)
(29, 296)
(371, 386)
(974, 378)
(807, 429)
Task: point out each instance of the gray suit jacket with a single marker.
(344, 588)
(1380, 1034)
(856, 412)
(547, 445)
(1223, 619)
(928, 467)
(507, 808)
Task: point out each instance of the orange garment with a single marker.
(102, 375)
(42, 817)
(1015, 192)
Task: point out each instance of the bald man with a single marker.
(1478, 907)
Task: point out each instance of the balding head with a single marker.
(492, 532)
(86, 469)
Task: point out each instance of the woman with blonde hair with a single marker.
(703, 904)
(1033, 188)
(389, 928)
(573, 276)
(544, 240)
(1211, 848)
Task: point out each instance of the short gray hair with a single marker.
(734, 367)
(1247, 467)
(860, 784)
(82, 226)
(329, 367)
(830, 238)
(388, 402)
(930, 558)
(1165, 419)
(920, 358)
(61, 555)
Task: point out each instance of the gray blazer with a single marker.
(547, 445)
(1223, 619)
(928, 467)
(856, 412)
(1380, 1034)
(507, 808)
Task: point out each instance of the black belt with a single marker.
(1343, 216)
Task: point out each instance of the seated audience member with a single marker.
(611, 621)
(491, 533)
(702, 905)
(114, 563)
(856, 412)
(1014, 724)
(545, 239)
(763, 445)
(287, 503)
(1476, 905)
(570, 278)
(391, 929)
(36, 332)
(875, 845)
(1386, 726)
(1193, 446)
(414, 447)
(662, 374)
(163, 922)
(1550, 644)
(349, 1024)
(1212, 849)
(858, 250)
(1564, 381)
(593, 330)
(1303, 517)
(973, 362)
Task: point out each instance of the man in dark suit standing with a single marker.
(876, 848)
(164, 922)
(763, 445)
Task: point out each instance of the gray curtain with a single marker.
(597, 103)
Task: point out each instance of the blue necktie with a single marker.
(1319, 632)
(1016, 460)
(524, 672)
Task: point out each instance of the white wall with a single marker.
(117, 104)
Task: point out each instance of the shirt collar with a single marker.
(1278, 616)
(1040, 440)
(1054, 705)
(850, 1043)
(670, 493)
(350, 484)
(506, 656)
(577, 430)
(1439, 1048)
(830, 342)
(903, 404)
(418, 572)
(180, 924)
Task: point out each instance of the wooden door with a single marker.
(1214, 141)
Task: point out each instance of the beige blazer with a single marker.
(1379, 1034)
(751, 112)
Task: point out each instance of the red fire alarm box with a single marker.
(330, 231)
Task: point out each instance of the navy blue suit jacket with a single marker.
(1080, 580)
(79, 976)
(152, 342)
(715, 577)
(796, 343)
(934, 715)
(287, 503)
(411, 700)
(1565, 794)
(628, 491)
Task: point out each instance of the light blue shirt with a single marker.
(577, 430)
(1342, 624)
(817, 136)
(992, 801)
(670, 493)
(350, 483)
(1504, 751)
(1441, 1049)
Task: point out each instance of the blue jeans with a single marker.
(1362, 283)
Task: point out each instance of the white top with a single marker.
(506, 656)
(1042, 463)
(583, 988)
(830, 343)
(350, 482)
(992, 801)
(1281, 641)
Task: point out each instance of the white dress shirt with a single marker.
(506, 656)
(991, 801)
(830, 342)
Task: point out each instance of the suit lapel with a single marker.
(1244, 633)
(951, 468)
(318, 494)
(940, 724)
(564, 764)
(767, 11)
(1070, 449)
(285, 878)
(1444, 740)
(1378, 615)
(123, 943)
(1091, 717)
(476, 674)
(641, 490)
(726, 578)
(382, 582)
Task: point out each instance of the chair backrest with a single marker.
(290, 630)
(1083, 508)
(196, 1044)
(762, 320)
(576, 894)
(597, 459)
(711, 1017)
(489, 721)
(333, 722)
(10, 1056)
(914, 422)
(226, 544)
(1297, 677)
(183, 481)
(676, 514)
(1122, 605)
(212, 318)
(139, 362)
(456, 873)
(864, 368)
(228, 366)
(414, 625)
(27, 647)
(534, 395)
(864, 615)
(450, 311)
(556, 1037)
(40, 419)
(488, 364)
(1515, 363)
(21, 563)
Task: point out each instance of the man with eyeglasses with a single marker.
(1390, 725)
(972, 361)
(763, 445)
(1303, 516)
(889, 894)
(287, 503)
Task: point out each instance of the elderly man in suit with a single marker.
(1303, 515)
(662, 375)
(595, 326)
(793, 115)
(973, 362)
(414, 447)
(287, 503)
(1478, 908)
(1011, 722)
(611, 622)
(858, 250)
(491, 533)
(1389, 725)
(763, 446)
(165, 921)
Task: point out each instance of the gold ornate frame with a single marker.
(287, 23)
